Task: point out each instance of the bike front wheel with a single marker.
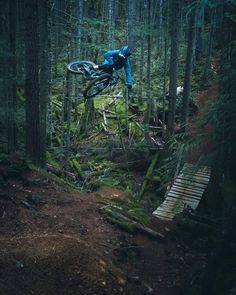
(97, 86)
(79, 67)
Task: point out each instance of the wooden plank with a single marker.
(198, 173)
(191, 204)
(174, 203)
(168, 210)
(165, 214)
(184, 199)
(201, 180)
(185, 193)
(186, 202)
(171, 201)
(188, 190)
(187, 183)
(194, 172)
(191, 166)
(179, 190)
(166, 206)
(189, 186)
(171, 207)
(181, 196)
(191, 181)
(171, 213)
(163, 217)
(164, 211)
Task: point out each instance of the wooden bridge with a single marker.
(187, 190)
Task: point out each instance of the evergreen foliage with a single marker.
(175, 43)
(85, 30)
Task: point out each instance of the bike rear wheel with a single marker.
(79, 67)
(97, 86)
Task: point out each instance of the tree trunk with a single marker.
(50, 62)
(161, 22)
(33, 128)
(199, 31)
(12, 101)
(79, 6)
(219, 21)
(43, 77)
(174, 22)
(164, 90)
(141, 52)
(67, 120)
(149, 98)
(188, 67)
(131, 24)
(76, 91)
(209, 50)
(148, 83)
(111, 24)
(36, 80)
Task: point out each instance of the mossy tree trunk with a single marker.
(174, 37)
(189, 66)
(34, 136)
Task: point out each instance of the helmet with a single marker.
(125, 52)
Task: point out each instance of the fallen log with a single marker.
(58, 172)
(151, 233)
(149, 175)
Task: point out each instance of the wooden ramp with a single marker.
(187, 190)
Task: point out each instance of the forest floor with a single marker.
(55, 240)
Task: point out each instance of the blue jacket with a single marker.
(111, 58)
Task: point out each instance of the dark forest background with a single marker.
(192, 44)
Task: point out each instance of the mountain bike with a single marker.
(99, 80)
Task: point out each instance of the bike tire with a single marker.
(76, 66)
(97, 86)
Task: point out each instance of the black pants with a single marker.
(106, 68)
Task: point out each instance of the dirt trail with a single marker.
(54, 241)
(201, 100)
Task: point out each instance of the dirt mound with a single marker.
(55, 241)
(54, 264)
(203, 97)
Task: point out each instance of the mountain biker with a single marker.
(117, 59)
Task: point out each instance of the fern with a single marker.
(179, 148)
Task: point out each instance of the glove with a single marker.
(129, 86)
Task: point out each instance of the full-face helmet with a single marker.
(125, 52)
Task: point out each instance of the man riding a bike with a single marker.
(117, 59)
(105, 75)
